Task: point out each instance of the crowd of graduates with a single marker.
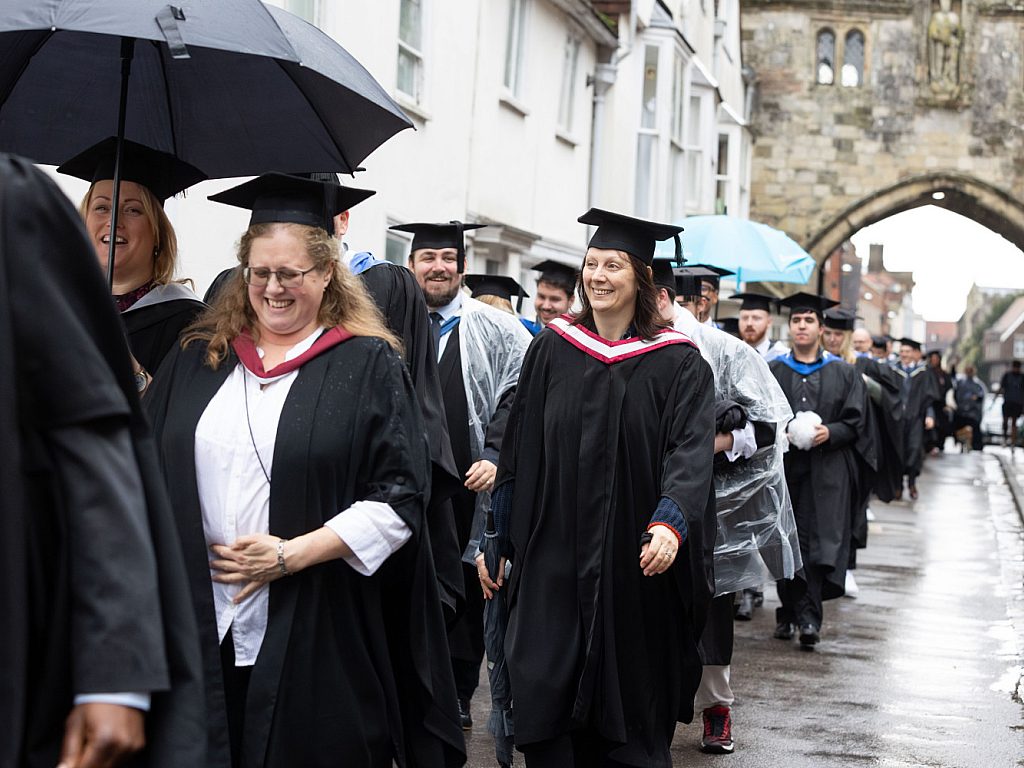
(286, 524)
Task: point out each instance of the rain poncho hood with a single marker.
(757, 537)
(492, 344)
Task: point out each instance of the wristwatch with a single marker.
(141, 381)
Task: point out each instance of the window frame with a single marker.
(515, 34)
(568, 91)
(829, 30)
(861, 71)
(418, 55)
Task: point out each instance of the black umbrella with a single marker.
(233, 87)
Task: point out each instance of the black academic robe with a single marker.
(153, 330)
(350, 666)
(95, 596)
(823, 480)
(400, 301)
(591, 449)
(943, 423)
(918, 391)
(466, 635)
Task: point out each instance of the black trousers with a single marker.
(977, 439)
(236, 690)
(801, 597)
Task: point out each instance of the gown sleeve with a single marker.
(689, 454)
(850, 422)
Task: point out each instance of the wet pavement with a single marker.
(924, 668)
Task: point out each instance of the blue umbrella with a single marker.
(754, 251)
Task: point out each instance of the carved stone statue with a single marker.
(945, 34)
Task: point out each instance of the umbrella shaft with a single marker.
(127, 53)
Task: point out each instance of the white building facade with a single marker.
(526, 113)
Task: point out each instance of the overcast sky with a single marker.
(947, 254)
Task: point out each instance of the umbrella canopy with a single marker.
(234, 87)
(754, 251)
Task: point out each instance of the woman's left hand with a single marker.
(658, 555)
(251, 560)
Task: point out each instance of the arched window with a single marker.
(825, 72)
(853, 59)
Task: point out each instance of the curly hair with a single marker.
(165, 259)
(345, 301)
(646, 318)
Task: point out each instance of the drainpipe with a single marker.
(602, 80)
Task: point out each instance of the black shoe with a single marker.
(464, 717)
(784, 630)
(809, 636)
(913, 493)
(744, 610)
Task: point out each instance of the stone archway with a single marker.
(960, 193)
(926, 114)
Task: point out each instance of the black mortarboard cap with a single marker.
(910, 343)
(839, 319)
(717, 273)
(558, 274)
(286, 198)
(161, 173)
(807, 302)
(349, 197)
(689, 279)
(496, 285)
(754, 301)
(438, 236)
(664, 274)
(730, 325)
(880, 341)
(634, 236)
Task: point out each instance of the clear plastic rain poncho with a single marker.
(492, 344)
(757, 539)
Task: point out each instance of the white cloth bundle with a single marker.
(801, 429)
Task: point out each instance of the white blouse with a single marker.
(234, 495)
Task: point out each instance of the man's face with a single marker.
(754, 325)
(861, 340)
(697, 306)
(437, 272)
(709, 291)
(804, 329)
(970, 371)
(550, 302)
(909, 355)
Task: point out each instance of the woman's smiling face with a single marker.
(609, 281)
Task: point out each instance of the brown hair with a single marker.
(345, 301)
(646, 319)
(165, 260)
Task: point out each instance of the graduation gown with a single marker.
(823, 480)
(352, 668)
(918, 391)
(400, 301)
(155, 322)
(591, 448)
(95, 596)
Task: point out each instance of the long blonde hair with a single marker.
(345, 301)
(165, 258)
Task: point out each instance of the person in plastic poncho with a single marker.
(757, 539)
(480, 351)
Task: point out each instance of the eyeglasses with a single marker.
(286, 278)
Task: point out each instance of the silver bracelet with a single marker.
(280, 558)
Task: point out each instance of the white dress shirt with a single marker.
(234, 495)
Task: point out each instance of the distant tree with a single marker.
(972, 348)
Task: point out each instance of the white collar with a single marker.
(449, 310)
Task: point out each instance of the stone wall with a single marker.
(830, 159)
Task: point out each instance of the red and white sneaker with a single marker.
(717, 738)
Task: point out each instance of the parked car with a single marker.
(992, 421)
